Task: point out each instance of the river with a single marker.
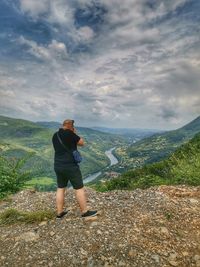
(113, 161)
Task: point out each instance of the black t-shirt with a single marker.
(70, 140)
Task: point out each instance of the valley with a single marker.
(155, 147)
(181, 167)
(105, 156)
(20, 138)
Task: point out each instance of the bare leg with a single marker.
(60, 199)
(82, 199)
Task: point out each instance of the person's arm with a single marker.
(81, 141)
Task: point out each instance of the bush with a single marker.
(12, 177)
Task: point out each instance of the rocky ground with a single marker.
(157, 227)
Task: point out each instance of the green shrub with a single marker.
(12, 177)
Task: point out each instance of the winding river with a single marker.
(113, 161)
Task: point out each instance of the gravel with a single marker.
(156, 227)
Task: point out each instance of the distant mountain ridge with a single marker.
(49, 124)
(158, 146)
(193, 125)
(134, 132)
(16, 128)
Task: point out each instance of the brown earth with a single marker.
(156, 227)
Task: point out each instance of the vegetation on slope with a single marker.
(157, 147)
(12, 177)
(182, 167)
(13, 216)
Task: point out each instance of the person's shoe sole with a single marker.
(61, 215)
(91, 217)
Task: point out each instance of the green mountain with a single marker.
(129, 132)
(158, 146)
(182, 167)
(19, 137)
(49, 124)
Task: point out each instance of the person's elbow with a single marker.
(80, 142)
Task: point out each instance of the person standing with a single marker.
(65, 141)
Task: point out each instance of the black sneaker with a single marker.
(89, 213)
(59, 216)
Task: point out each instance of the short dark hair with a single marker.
(68, 122)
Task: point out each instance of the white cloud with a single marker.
(85, 34)
(58, 49)
(34, 7)
(7, 93)
(53, 50)
(139, 68)
(60, 12)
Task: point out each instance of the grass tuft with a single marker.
(13, 216)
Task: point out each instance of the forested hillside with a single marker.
(182, 167)
(157, 147)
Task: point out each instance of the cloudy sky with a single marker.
(130, 63)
